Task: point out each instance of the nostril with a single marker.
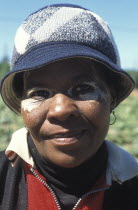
(62, 114)
(53, 120)
(62, 117)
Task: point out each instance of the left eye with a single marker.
(82, 89)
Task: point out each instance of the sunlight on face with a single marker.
(66, 109)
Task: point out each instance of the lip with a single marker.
(67, 138)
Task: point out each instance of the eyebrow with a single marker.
(83, 77)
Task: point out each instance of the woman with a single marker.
(65, 81)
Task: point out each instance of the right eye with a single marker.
(83, 89)
(40, 94)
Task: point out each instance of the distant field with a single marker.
(124, 132)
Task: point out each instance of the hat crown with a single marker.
(59, 32)
(65, 24)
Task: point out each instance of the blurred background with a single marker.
(122, 17)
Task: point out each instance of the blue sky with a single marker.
(121, 15)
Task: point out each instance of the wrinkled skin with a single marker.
(67, 130)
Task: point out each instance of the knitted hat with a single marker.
(59, 32)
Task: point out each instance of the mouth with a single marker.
(66, 138)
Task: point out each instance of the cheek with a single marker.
(34, 115)
(96, 112)
(33, 120)
(98, 117)
(30, 104)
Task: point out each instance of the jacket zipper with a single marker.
(86, 194)
(48, 187)
(54, 195)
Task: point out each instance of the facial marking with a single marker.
(93, 95)
(30, 104)
(89, 91)
(35, 97)
(102, 95)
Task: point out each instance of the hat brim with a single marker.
(44, 54)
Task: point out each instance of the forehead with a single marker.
(62, 72)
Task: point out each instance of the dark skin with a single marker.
(67, 129)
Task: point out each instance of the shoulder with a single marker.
(8, 173)
(3, 159)
(122, 196)
(5, 165)
(132, 186)
(6, 168)
(2, 154)
(12, 184)
(122, 166)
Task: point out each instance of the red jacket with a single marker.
(14, 192)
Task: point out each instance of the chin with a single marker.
(67, 161)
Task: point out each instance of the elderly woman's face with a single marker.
(66, 109)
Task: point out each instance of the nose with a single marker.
(62, 108)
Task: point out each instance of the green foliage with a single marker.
(134, 75)
(9, 122)
(125, 131)
(4, 67)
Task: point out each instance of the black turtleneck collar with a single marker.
(75, 181)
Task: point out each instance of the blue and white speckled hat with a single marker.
(59, 32)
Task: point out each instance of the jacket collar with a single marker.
(18, 147)
(121, 165)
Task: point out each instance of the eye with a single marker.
(83, 89)
(39, 94)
